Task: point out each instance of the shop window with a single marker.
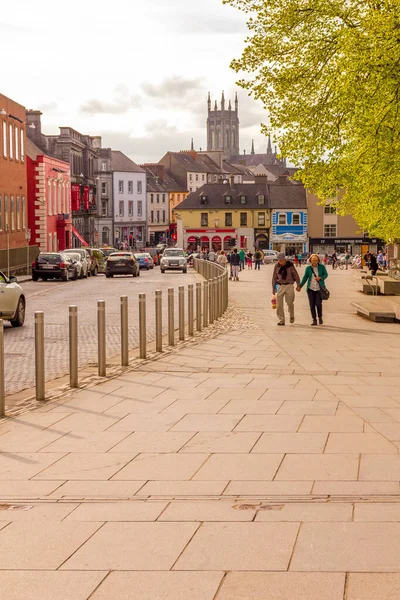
(329, 230)
(204, 220)
(243, 219)
(228, 219)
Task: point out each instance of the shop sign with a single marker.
(331, 241)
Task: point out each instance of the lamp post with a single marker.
(28, 239)
(8, 250)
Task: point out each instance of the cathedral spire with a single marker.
(269, 147)
(252, 147)
(209, 102)
(215, 106)
(236, 102)
(230, 105)
(223, 101)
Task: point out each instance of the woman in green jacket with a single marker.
(314, 276)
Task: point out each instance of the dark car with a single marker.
(53, 265)
(122, 263)
(155, 254)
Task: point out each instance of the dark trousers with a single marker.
(258, 263)
(315, 301)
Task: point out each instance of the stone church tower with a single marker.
(223, 127)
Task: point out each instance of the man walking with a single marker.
(235, 262)
(257, 258)
(283, 278)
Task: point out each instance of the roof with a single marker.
(32, 150)
(216, 193)
(196, 162)
(159, 184)
(287, 195)
(120, 162)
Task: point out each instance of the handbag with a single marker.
(325, 293)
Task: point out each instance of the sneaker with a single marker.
(280, 324)
(314, 323)
(292, 319)
(321, 322)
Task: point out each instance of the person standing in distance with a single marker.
(242, 256)
(235, 263)
(283, 278)
(314, 276)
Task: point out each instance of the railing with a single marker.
(206, 303)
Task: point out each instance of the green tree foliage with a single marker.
(328, 72)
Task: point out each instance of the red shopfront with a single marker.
(210, 239)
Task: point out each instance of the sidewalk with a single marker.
(259, 464)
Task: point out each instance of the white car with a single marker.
(81, 257)
(12, 301)
(173, 259)
(270, 256)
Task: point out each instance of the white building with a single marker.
(129, 201)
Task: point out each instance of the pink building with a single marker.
(49, 200)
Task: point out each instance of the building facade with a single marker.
(13, 185)
(213, 216)
(104, 218)
(129, 201)
(329, 232)
(49, 200)
(289, 232)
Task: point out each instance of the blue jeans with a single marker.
(241, 265)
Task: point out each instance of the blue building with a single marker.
(288, 216)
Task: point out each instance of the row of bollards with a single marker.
(211, 302)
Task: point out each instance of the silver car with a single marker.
(173, 259)
(82, 258)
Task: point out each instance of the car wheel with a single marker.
(19, 317)
(75, 277)
(138, 273)
(147, 268)
(35, 278)
(184, 271)
(162, 271)
(107, 275)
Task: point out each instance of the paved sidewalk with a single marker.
(261, 464)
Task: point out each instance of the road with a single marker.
(54, 298)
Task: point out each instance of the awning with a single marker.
(216, 239)
(191, 239)
(78, 235)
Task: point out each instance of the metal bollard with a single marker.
(101, 337)
(158, 321)
(198, 306)
(181, 307)
(2, 372)
(190, 310)
(73, 346)
(142, 325)
(39, 356)
(124, 332)
(205, 304)
(171, 318)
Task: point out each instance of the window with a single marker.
(1, 213)
(53, 191)
(104, 166)
(6, 213)
(163, 198)
(282, 219)
(152, 216)
(105, 235)
(104, 188)
(121, 209)
(203, 177)
(139, 187)
(242, 199)
(158, 216)
(16, 131)
(158, 198)
(261, 199)
(152, 198)
(243, 219)
(204, 220)
(49, 206)
(4, 139)
(329, 230)
(18, 213)
(59, 198)
(12, 213)
(190, 177)
(139, 208)
(120, 187)
(261, 219)
(296, 219)
(130, 187)
(228, 199)
(130, 208)
(197, 177)
(190, 189)
(163, 216)
(203, 199)
(22, 145)
(330, 209)
(228, 219)
(104, 208)
(11, 141)
(23, 213)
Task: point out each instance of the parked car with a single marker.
(81, 257)
(144, 260)
(155, 254)
(108, 250)
(53, 265)
(12, 301)
(173, 259)
(122, 263)
(97, 261)
(270, 256)
(151, 260)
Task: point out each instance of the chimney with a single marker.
(231, 181)
(157, 170)
(34, 126)
(96, 141)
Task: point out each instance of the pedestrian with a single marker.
(212, 256)
(242, 256)
(373, 264)
(384, 264)
(347, 260)
(222, 260)
(296, 260)
(249, 260)
(325, 259)
(235, 262)
(334, 260)
(257, 258)
(300, 258)
(314, 276)
(283, 278)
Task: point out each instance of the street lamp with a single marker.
(3, 113)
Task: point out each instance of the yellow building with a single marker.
(219, 213)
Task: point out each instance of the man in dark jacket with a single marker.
(235, 264)
(283, 278)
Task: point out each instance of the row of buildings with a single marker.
(66, 190)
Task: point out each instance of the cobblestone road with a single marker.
(54, 298)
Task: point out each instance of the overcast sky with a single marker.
(136, 72)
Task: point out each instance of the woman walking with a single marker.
(314, 276)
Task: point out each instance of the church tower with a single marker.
(223, 127)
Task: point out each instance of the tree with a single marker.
(328, 72)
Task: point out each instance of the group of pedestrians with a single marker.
(237, 259)
(285, 277)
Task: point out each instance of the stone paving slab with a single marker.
(49, 585)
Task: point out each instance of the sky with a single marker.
(136, 72)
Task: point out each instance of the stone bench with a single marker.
(389, 286)
(379, 312)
